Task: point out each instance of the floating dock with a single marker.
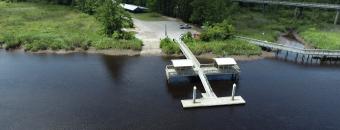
(192, 67)
(207, 102)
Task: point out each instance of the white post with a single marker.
(194, 95)
(233, 92)
(165, 31)
(336, 17)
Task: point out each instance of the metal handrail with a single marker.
(289, 48)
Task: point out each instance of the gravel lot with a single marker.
(150, 32)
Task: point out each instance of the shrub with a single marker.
(10, 41)
(123, 35)
(37, 45)
(187, 37)
(225, 47)
(169, 46)
(218, 31)
(110, 43)
(78, 42)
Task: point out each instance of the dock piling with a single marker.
(233, 92)
(194, 94)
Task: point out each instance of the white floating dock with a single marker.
(191, 66)
(206, 102)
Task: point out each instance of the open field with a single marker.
(53, 27)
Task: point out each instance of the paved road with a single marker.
(150, 32)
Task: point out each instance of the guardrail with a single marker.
(213, 70)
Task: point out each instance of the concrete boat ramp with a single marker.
(192, 67)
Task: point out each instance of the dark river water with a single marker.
(97, 92)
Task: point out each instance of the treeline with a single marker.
(195, 11)
(63, 2)
(318, 1)
(200, 11)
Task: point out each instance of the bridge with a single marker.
(192, 67)
(322, 53)
(298, 5)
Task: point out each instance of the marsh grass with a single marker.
(221, 48)
(322, 39)
(315, 26)
(37, 26)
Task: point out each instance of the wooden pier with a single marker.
(192, 67)
(305, 54)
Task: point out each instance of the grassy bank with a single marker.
(315, 26)
(41, 27)
(324, 39)
(150, 16)
(221, 48)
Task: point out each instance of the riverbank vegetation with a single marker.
(45, 26)
(148, 16)
(253, 20)
(215, 39)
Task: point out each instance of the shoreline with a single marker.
(124, 52)
(295, 35)
(264, 54)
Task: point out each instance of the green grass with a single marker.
(151, 16)
(322, 39)
(222, 48)
(169, 46)
(42, 26)
(252, 22)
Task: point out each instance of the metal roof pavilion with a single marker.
(182, 63)
(225, 61)
(132, 7)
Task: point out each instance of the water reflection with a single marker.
(115, 66)
(82, 91)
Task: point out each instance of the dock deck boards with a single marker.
(206, 102)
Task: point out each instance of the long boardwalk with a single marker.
(322, 53)
(299, 5)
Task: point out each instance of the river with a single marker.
(90, 91)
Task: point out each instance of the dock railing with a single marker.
(272, 45)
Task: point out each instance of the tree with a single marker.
(88, 6)
(212, 11)
(218, 31)
(112, 16)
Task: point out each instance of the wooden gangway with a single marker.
(295, 4)
(282, 47)
(209, 98)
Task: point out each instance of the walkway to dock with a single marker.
(298, 5)
(189, 55)
(280, 47)
(192, 67)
